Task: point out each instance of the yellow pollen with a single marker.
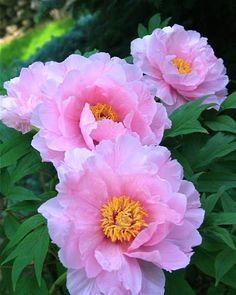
(182, 66)
(103, 111)
(122, 218)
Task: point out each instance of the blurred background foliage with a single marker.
(57, 28)
(22, 47)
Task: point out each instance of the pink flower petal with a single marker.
(154, 54)
(153, 279)
(78, 283)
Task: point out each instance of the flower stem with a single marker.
(59, 281)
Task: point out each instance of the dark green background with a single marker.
(111, 26)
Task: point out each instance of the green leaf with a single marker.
(165, 23)
(10, 225)
(142, 31)
(188, 172)
(10, 143)
(89, 53)
(222, 123)
(205, 262)
(231, 292)
(59, 281)
(190, 145)
(221, 218)
(5, 182)
(26, 207)
(26, 245)
(19, 264)
(47, 195)
(18, 193)
(5, 286)
(28, 286)
(32, 248)
(229, 103)
(211, 243)
(211, 200)
(77, 51)
(129, 59)
(229, 278)
(216, 147)
(6, 133)
(40, 254)
(222, 234)
(224, 261)
(219, 290)
(176, 281)
(229, 205)
(154, 22)
(19, 149)
(185, 119)
(29, 206)
(26, 227)
(223, 164)
(213, 181)
(29, 164)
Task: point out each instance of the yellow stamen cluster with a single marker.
(182, 66)
(103, 111)
(122, 218)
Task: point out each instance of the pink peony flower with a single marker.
(100, 99)
(25, 92)
(123, 213)
(180, 66)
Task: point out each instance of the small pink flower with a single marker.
(123, 213)
(101, 98)
(180, 66)
(25, 92)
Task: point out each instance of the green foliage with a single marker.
(154, 23)
(25, 184)
(204, 142)
(222, 123)
(89, 53)
(229, 103)
(202, 150)
(142, 31)
(23, 47)
(46, 5)
(177, 281)
(58, 48)
(14, 52)
(224, 261)
(185, 119)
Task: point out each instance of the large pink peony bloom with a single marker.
(100, 99)
(180, 66)
(123, 213)
(25, 92)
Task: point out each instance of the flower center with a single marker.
(122, 218)
(182, 66)
(103, 111)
